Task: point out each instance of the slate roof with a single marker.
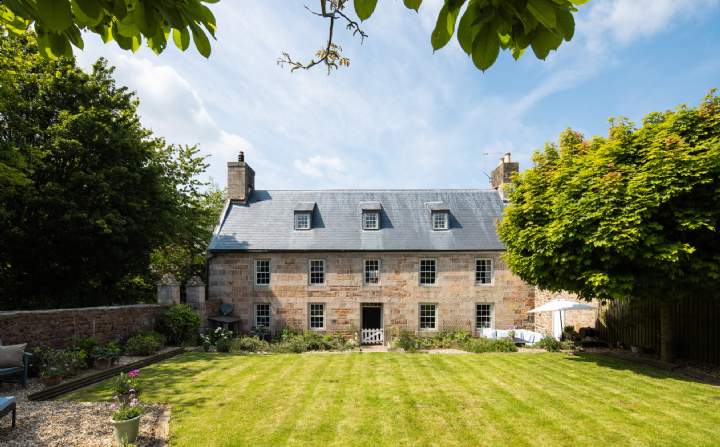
(265, 223)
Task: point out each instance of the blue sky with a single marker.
(401, 116)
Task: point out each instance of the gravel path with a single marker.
(60, 423)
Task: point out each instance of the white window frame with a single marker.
(492, 272)
(491, 314)
(310, 316)
(445, 223)
(365, 271)
(310, 273)
(434, 272)
(269, 273)
(255, 315)
(420, 317)
(376, 215)
(307, 225)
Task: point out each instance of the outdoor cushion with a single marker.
(489, 333)
(6, 402)
(12, 355)
(13, 370)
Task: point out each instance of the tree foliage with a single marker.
(59, 23)
(484, 28)
(86, 193)
(634, 215)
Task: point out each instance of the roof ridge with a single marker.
(384, 190)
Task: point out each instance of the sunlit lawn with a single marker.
(375, 399)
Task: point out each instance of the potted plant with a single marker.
(106, 355)
(51, 375)
(126, 421)
(125, 387)
(206, 342)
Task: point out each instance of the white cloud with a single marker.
(628, 20)
(318, 166)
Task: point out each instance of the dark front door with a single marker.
(372, 316)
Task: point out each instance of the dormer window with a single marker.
(370, 215)
(303, 215)
(302, 221)
(371, 220)
(440, 220)
(439, 215)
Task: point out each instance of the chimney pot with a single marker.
(241, 157)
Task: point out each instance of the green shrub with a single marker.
(444, 339)
(145, 343)
(223, 344)
(549, 344)
(60, 362)
(180, 324)
(249, 344)
(407, 341)
(480, 345)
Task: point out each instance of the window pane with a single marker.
(302, 221)
(262, 315)
(427, 271)
(317, 316)
(440, 220)
(427, 316)
(483, 271)
(317, 271)
(372, 271)
(483, 316)
(371, 220)
(262, 272)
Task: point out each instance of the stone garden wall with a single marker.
(58, 327)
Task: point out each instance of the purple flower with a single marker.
(134, 373)
(134, 402)
(113, 407)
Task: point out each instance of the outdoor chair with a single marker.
(14, 364)
(7, 405)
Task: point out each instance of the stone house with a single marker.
(344, 260)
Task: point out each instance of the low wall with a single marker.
(59, 327)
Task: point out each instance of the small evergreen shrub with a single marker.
(145, 343)
(480, 345)
(549, 344)
(407, 341)
(180, 324)
(249, 344)
(223, 344)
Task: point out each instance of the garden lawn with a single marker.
(370, 399)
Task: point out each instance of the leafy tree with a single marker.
(86, 192)
(635, 215)
(484, 27)
(59, 23)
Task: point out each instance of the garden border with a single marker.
(80, 382)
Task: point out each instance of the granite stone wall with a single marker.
(231, 279)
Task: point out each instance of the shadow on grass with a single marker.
(608, 361)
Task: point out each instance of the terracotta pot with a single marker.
(126, 432)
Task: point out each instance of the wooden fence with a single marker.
(696, 325)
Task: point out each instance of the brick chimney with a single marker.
(240, 181)
(500, 176)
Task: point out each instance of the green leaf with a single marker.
(90, 9)
(579, 2)
(74, 36)
(544, 42)
(181, 37)
(543, 11)
(59, 45)
(466, 29)
(445, 26)
(55, 15)
(566, 24)
(413, 4)
(364, 8)
(486, 48)
(517, 53)
(201, 41)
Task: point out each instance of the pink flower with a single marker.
(134, 402)
(134, 373)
